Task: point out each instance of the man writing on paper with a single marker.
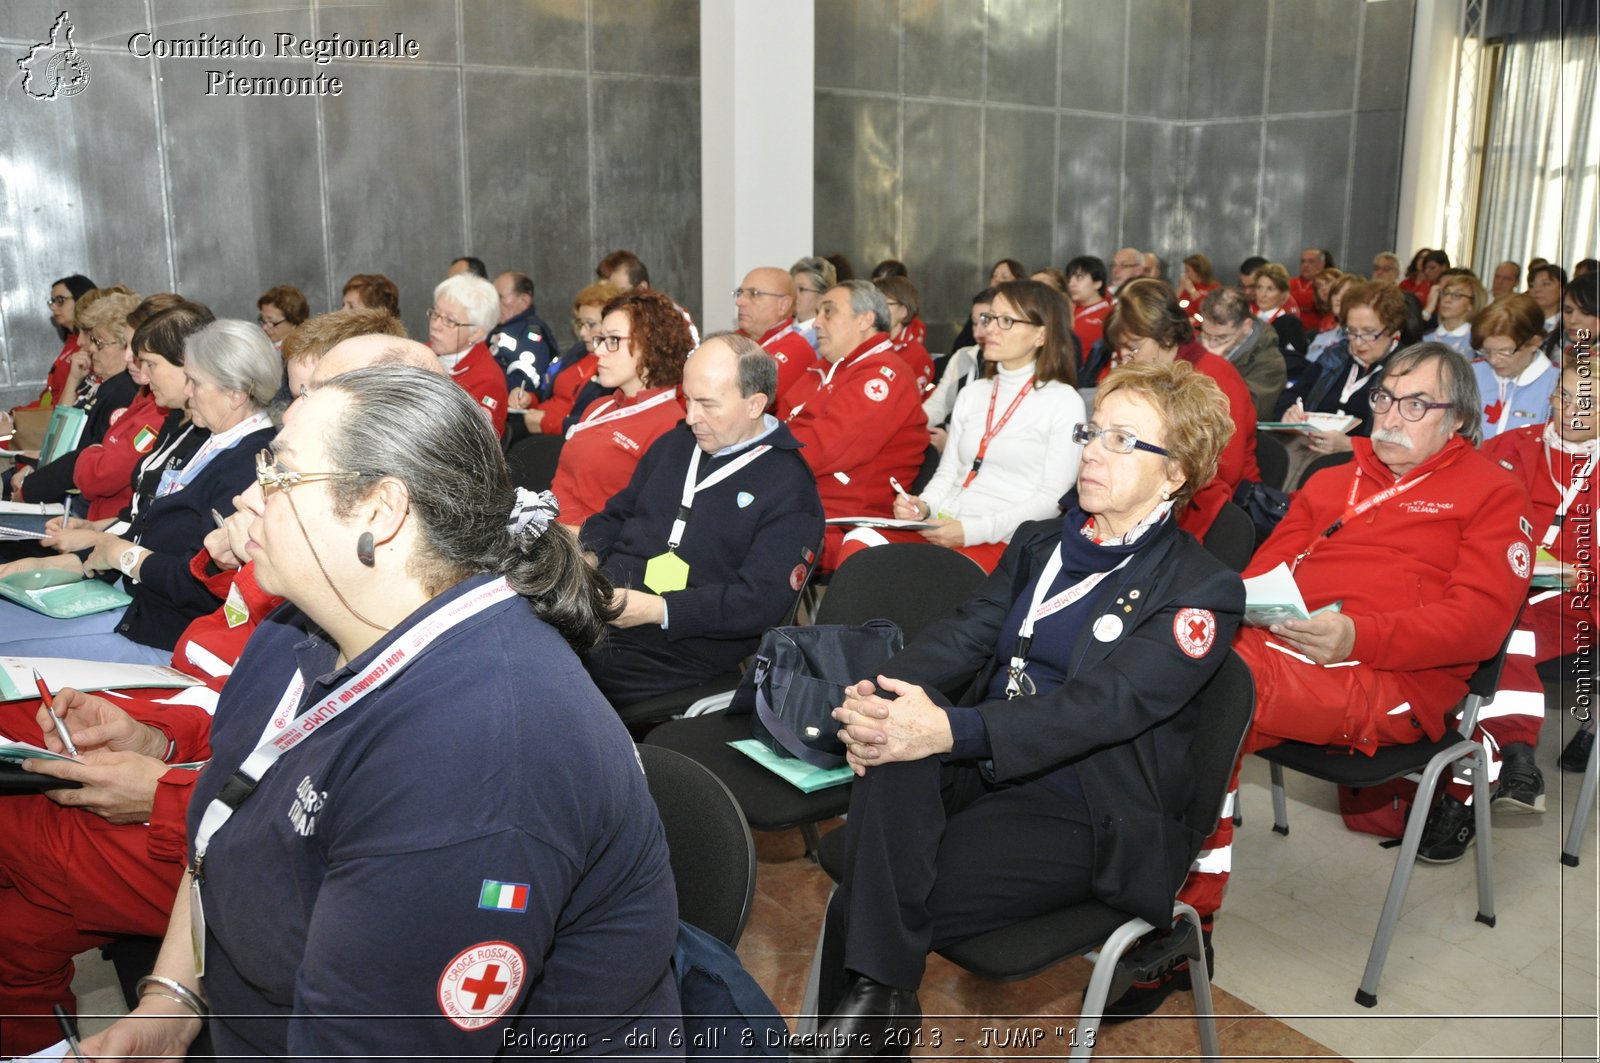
(713, 536)
(1426, 543)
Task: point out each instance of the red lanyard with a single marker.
(1352, 511)
(990, 429)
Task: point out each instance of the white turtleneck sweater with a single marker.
(1030, 464)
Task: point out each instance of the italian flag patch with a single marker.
(144, 440)
(504, 896)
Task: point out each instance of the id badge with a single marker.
(666, 572)
(197, 928)
(234, 609)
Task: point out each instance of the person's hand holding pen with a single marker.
(1295, 414)
(120, 759)
(907, 506)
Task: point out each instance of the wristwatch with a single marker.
(129, 559)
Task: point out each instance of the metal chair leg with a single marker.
(1480, 802)
(1105, 967)
(1205, 1012)
(1280, 802)
(1582, 813)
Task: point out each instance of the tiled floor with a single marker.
(1291, 943)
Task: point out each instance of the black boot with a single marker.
(1576, 756)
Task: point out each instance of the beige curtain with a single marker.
(1539, 193)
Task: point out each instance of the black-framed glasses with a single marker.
(435, 314)
(1116, 440)
(273, 477)
(753, 293)
(1455, 295)
(1412, 407)
(1005, 321)
(610, 343)
(267, 322)
(1365, 336)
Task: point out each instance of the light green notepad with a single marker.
(796, 773)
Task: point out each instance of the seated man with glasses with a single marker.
(1425, 546)
(764, 305)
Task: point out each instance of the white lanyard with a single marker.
(1353, 383)
(616, 415)
(1571, 492)
(1038, 609)
(284, 730)
(155, 461)
(210, 449)
(690, 488)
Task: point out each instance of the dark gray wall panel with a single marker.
(647, 179)
(395, 205)
(647, 37)
(1313, 55)
(530, 205)
(1375, 189)
(546, 34)
(1228, 49)
(1222, 179)
(1093, 40)
(944, 49)
(1023, 51)
(256, 19)
(80, 191)
(1385, 55)
(940, 241)
(1150, 190)
(1304, 185)
(1088, 187)
(858, 45)
(857, 198)
(266, 226)
(430, 23)
(1019, 152)
(1158, 48)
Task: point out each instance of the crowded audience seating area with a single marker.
(260, 628)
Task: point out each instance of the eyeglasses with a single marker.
(580, 325)
(610, 343)
(1455, 295)
(1218, 338)
(1412, 407)
(1365, 337)
(752, 293)
(98, 344)
(58, 300)
(811, 291)
(435, 314)
(267, 322)
(1004, 321)
(1497, 352)
(1116, 440)
(273, 477)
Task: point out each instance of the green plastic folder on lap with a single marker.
(795, 772)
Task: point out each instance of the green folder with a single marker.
(795, 772)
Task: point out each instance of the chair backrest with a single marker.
(930, 465)
(1224, 706)
(1272, 457)
(1232, 537)
(912, 584)
(713, 856)
(1327, 461)
(533, 461)
(1481, 687)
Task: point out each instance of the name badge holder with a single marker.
(668, 572)
(1018, 682)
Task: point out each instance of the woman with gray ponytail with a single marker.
(422, 827)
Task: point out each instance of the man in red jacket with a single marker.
(858, 414)
(765, 307)
(1426, 544)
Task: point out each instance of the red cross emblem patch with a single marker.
(481, 984)
(877, 390)
(1521, 560)
(1195, 631)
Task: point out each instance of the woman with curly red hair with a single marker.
(642, 344)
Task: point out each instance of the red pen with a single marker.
(50, 703)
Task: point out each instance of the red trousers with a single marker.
(69, 882)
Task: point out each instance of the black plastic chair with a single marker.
(1231, 537)
(1026, 948)
(1272, 457)
(930, 465)
(713, 856)
(912, 584)
(533, 461)
(1430, 759)
(1327, 461)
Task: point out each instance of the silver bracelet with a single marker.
(178, 992)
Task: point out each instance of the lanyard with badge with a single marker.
(990, 429)
(669, 572)
(1352, 511)
(600, 418)
(285, 730)
(1579, 479)
(175, 480)
(1018, 682)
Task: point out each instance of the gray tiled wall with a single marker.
(536, 134)
(1231, 127)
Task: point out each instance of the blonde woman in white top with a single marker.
(1010, 455)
